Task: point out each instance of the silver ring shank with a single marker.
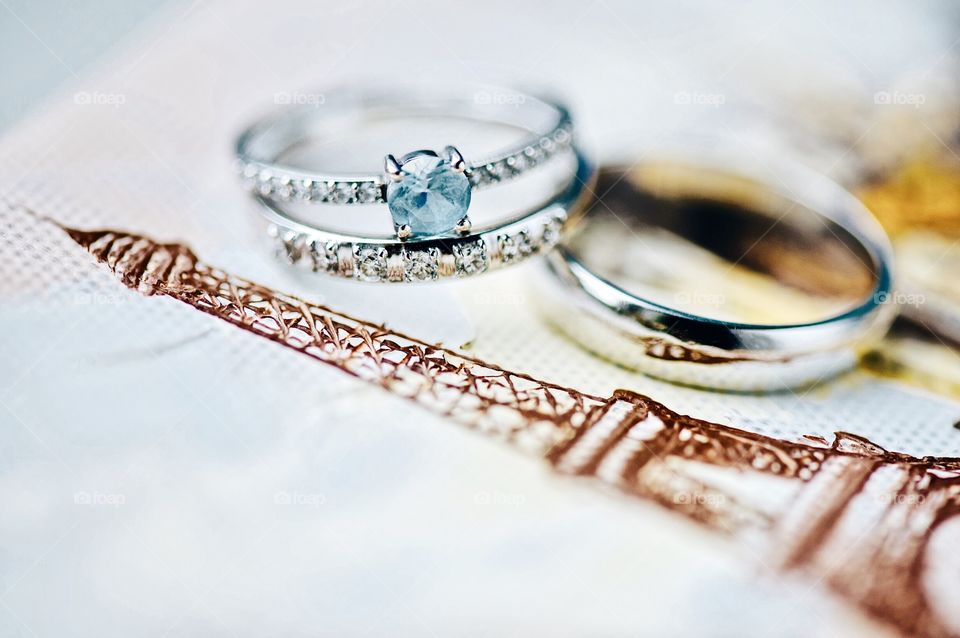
(674, 345)
(548, 126)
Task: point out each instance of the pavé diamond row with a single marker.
(294, 186)
(400, 263)
(428, 192)
(263, 181)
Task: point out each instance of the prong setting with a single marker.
(456, 159)
(393, 168)
(404, 232)
(464, 225)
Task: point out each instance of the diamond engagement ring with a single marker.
(716, 271)
(509, 241)
(428, 192)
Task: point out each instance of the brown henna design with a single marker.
(854, 516)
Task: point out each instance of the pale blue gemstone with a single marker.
(431, 198)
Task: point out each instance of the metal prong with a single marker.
(404, 232)
(456, 159)
(392, 168)
(464, 226)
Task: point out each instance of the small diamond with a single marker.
(303, 189)
(249, 176)
(551, 232)
(494, 171)
(368, 192)
(321, 191)
(343, 193)
(519, 163)
(533, 155)
(371, 262)
(265, 183)
(515, 247)
(323, 255)
(548, 146)
(471, 257)
(421, 265)
(289, 247)
(478, 177)
(283, 188)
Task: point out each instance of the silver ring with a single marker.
(428, 192)
(669, 343)
(391, 260)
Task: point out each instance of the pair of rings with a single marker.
(313, 217)
(428, 193)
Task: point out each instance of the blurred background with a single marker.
(43, 44)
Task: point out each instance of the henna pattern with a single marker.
(852, 515)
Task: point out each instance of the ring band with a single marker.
(386, 259)
(428, 192)
(679, 346)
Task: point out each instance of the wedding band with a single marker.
(428, 192)
(388, 259)
(681, 346)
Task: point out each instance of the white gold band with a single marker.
(673, 343)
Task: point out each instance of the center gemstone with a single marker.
(430, 197)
